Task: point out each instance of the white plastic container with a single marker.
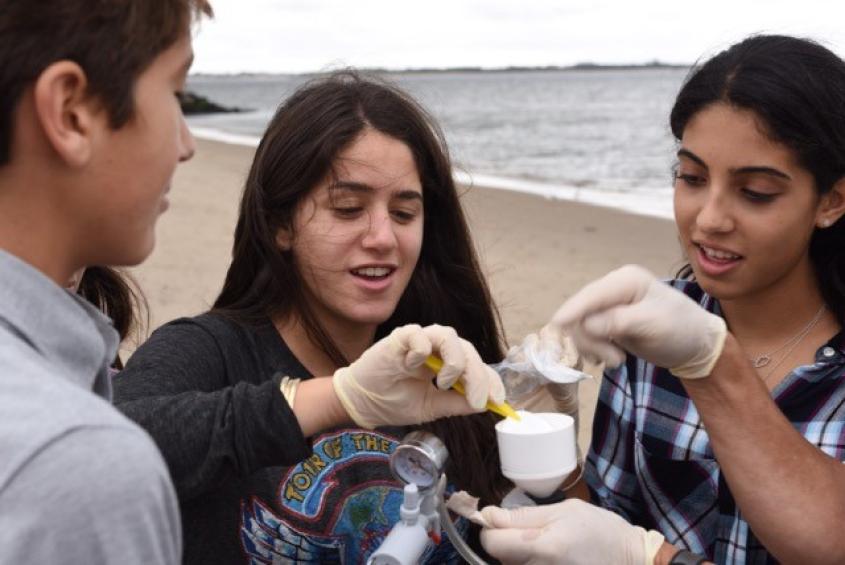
(538, 452)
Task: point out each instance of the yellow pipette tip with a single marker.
(503, 409)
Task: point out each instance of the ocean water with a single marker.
(597, 136)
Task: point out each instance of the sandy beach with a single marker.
(536, 251)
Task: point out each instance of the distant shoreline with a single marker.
(455, 70)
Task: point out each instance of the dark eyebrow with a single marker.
(691, 156)
(409, 195)
(352, 186)
(740, 171)
(761, 170)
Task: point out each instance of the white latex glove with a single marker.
(389, 385)
(628, 309)
(573, 532)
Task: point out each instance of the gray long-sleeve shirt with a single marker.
(79, 483)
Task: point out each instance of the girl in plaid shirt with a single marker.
(722, 429)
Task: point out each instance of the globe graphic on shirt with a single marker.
(336, 507)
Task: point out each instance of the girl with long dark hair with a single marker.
(723, 429)
(350, 229)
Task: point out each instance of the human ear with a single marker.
(832, 205)
(65, 111)
(284, 239)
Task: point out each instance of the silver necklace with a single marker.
(766, 358)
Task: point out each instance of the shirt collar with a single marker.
(57, 324)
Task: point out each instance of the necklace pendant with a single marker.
(761, 361)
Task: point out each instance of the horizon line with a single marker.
(584, 66)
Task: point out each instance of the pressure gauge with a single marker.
(420, 460)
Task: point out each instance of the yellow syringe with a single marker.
(503, 409)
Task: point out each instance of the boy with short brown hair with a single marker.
(90, 134)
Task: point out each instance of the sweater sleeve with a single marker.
(201, 396)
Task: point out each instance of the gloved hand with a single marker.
(573, 532)
(389, 384)
(629, 309)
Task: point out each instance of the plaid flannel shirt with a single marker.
(651, 460)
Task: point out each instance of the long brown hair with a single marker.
(447, 287)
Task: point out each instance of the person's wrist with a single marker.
(340, 414)
(731, 353)
(684, 557)
(715, 333)
(317, 406)
(288, 387)
(665, 554)
(727, 372)
(335, 404)
(653, 542)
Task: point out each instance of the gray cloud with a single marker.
(307, 35)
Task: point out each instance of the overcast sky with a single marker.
(312, 35)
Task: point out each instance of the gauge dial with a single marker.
(419, 459)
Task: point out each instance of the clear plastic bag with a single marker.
(537, 361)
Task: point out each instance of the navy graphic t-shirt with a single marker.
(252, 489)
(335, 507)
